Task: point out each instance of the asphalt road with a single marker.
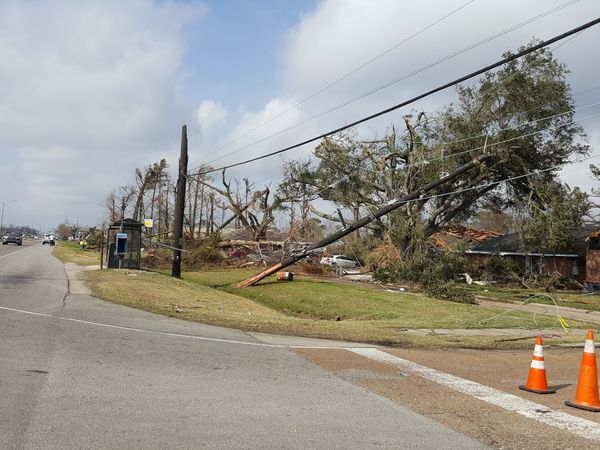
(76, 372)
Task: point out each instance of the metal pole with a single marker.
(121, 230)
(101, 248)
(180, 204)
(2, 219)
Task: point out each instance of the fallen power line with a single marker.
(366, 220)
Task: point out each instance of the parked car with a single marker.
(12, 237)
(48, 239)
(339, 261)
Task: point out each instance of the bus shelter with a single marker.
(124, 249)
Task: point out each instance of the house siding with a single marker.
(540, 265)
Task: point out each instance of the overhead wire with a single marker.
(350, 73)
(491, 183)
(497, 182)
(418, 97)
(455, 154)
(504, 80)
(372, 91)
(330, 186)
(471, 150)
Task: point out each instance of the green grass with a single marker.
(315, 308)
(69, 252)
(323, 300)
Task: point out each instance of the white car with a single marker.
(339, 261)
(48, 239)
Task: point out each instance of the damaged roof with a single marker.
(453, 237)
(511, 244)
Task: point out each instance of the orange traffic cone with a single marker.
(586, 396)
(536, 381)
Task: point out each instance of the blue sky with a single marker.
(235, 50)
(93, 89)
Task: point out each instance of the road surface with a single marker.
(76, 372)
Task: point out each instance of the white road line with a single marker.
(12, 253)
(139, 330)
(541, 413)
(166, 333)
(162, 333)
(509, 402)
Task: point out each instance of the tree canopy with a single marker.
(522, 113)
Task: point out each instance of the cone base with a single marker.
(586, 407)
(538, 391)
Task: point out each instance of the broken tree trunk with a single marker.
(365, 220)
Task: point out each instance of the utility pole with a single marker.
(2, 218)
(421, 191)
(180, 203)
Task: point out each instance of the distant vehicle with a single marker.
(48, 239)
(12, 237)
(339, 261)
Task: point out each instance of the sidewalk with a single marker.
(76, 285)
(582, 315)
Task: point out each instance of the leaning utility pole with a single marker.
(180, 204)
(366, 220)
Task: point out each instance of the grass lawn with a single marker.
(69, 252)
(314, 308)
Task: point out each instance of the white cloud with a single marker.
(92, 89)
(88, 95)
(338, 36)
(210, 114)
(257, 133)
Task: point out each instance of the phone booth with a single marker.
(124, 245)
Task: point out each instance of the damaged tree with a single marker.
(419, 193)
(255, 210)
(524, 110)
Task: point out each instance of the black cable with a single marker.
(377, 89)
(414, 99)
(347, 102)
(353, 71)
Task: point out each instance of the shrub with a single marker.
(500, 269)
(202, 256)
(433, 269)
(450, 291)
(385, 263)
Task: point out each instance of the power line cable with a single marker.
(348, 74)
(331, 186)
(449, 155)
(475, 136)
(418, 97)
(390, 83)
(471, 150)
(497, 182)
(516, 177)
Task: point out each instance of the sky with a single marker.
(92, 90)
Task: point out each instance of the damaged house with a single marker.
(480, 245)
(533, 262)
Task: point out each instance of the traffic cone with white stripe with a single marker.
(536, 381)
(586, 396)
